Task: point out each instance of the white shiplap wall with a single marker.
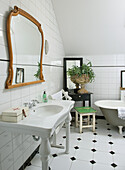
(16, 148)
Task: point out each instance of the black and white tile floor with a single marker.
(102, 150)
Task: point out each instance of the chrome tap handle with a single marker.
(33, 102)
(26, 104)
(36, 101)
(30, 105)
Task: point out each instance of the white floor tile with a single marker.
(118, 148)
(80, 165)
(87, 136)
(84, 144)
(62, 162)
(118, 140)
(104, 147)
(120, 168)
(101, 138)
(72, 144)
(103, 158)
(101, 131)
(119, 159)
(84, 154)
(102, 167)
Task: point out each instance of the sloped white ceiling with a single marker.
(91, 26)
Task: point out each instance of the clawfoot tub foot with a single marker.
(120, 129)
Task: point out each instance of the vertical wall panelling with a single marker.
(17, 148)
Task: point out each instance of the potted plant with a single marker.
(82, 75)
(37, 75)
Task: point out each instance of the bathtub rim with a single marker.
(100, 103)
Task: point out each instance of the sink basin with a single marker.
(48, 110)
(43, 121)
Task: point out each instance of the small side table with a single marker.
(80, 97)
(85, 111)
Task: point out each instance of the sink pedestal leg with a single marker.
(44, 152)
(67, 123)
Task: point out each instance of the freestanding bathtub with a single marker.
(109, 109)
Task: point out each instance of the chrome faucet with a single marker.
(34, 102)
(31, 104)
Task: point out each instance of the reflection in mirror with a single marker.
(123, 79)
(19, 75)
(28, 54)
(25, 42)
(26, 73)
(68, 63)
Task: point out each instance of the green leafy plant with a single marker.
(84, 69)
(37, 75)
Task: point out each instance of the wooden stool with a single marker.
(85, 111)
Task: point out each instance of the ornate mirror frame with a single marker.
(16, 11)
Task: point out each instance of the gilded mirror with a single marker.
(25, 44)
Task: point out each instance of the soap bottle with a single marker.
(44, 97)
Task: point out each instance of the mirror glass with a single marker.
(69, 63)
(123, 79)
(26, 43)
(70, 84)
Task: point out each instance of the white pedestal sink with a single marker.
(42, 121)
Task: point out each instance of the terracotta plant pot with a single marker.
(82, 80)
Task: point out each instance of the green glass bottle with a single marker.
(44, 97)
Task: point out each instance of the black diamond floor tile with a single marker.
(108, 129)
(92, 162)
(55, 155)
(96, 128)
(64, 137)
(123, 136)
(76, 147)
(111, 143)
(73, 158)
(94, 141)
(107, 123)
(79, 139)
(94, 133)
(112, 152)
(114, 165)
(93, 150)
(109, 135)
